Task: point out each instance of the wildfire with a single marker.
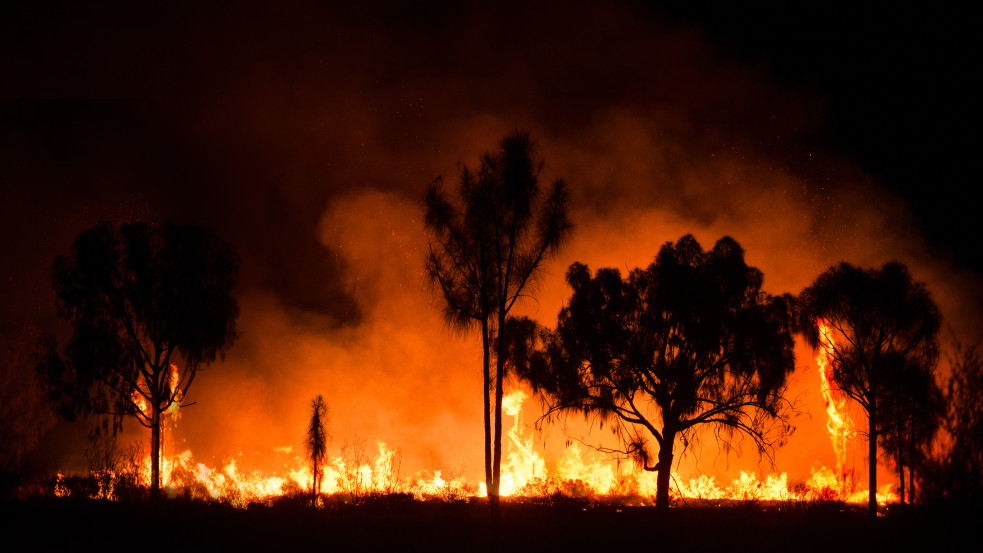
(523, 465)
(140, 395)
(175, 379)
(838, 423)
(577, 473)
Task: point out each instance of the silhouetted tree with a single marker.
(317, 440)
(149, 306)
(487, 248)
(689, 343)
(962, 463)
(882, 322)
(911, 413)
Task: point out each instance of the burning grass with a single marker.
(357, 476)
(230, 488)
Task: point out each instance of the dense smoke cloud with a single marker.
(306, 138)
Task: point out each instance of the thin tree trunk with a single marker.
(314, 487)
(911, 457)
(664, 469)
(155, 450)
(900, 437)
(486, 391)
(499, 393)
(872, 456)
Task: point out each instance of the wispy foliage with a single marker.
(316, 444)
(884, 324)
(488, 246)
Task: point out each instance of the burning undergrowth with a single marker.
(359, 476)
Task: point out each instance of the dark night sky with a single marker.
(902, 86)
(897, 87)
(261, 121)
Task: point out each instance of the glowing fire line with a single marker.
(524, 474)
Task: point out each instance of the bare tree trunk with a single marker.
(665, 469)
(872, 455)
(901, 449)
(155, 450)
(486, 391)
(314, 486)
(911, 456)
(499, 392)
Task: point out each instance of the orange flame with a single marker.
(839, 425)
(577, 473)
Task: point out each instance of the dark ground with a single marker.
(181, 526)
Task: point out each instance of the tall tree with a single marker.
(316, 443)
(881, 321)
(687, 344)
(962, 464)
(911, 413)
(487, 248)
(149, 306)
